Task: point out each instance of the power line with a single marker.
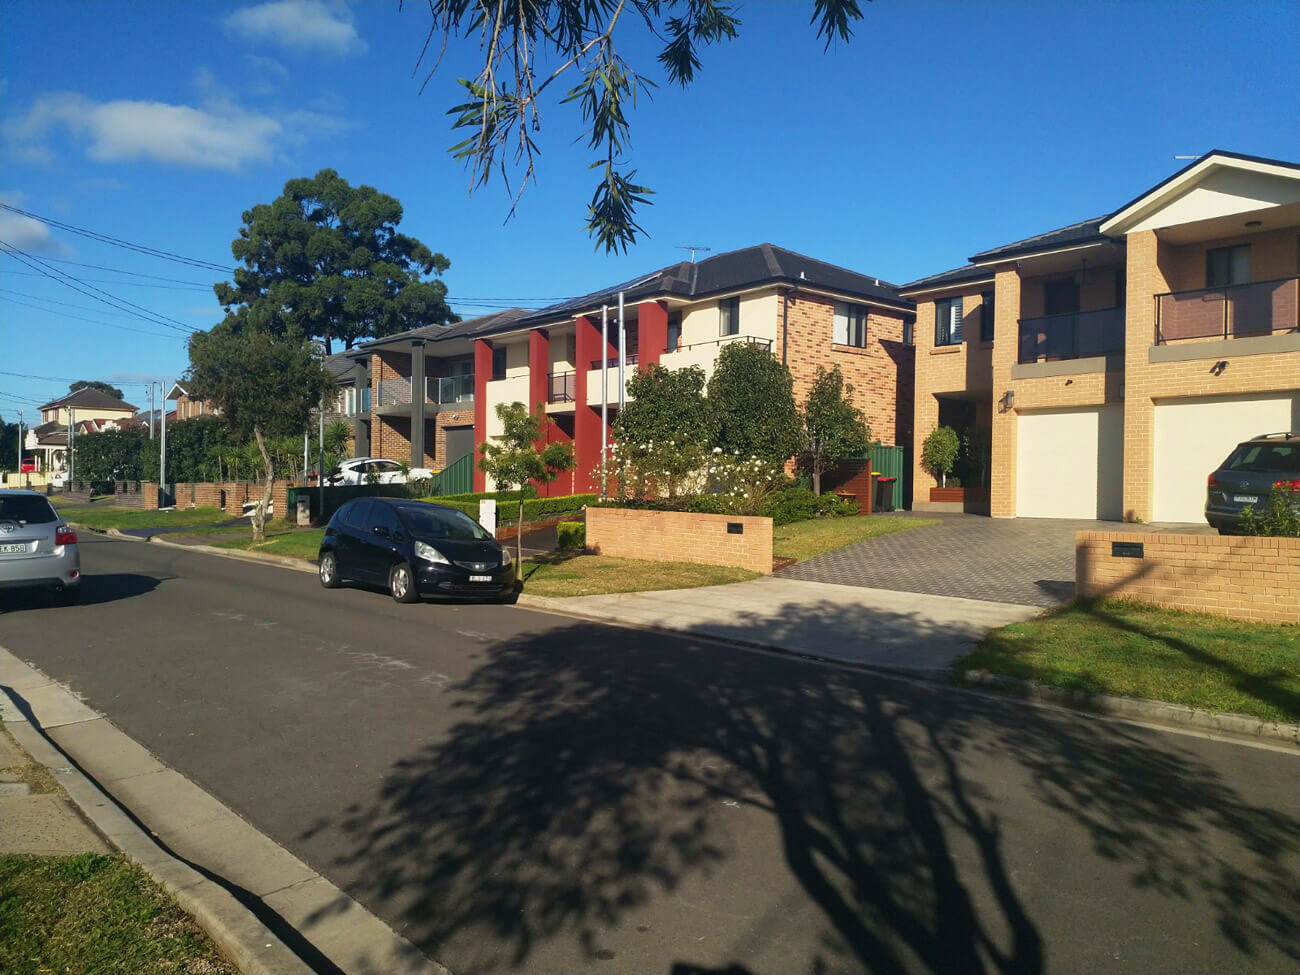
(95, 321)
(66, 379)
(118, 242)
(119, 281)
(63, 277)
(122, 270)
(56, 301)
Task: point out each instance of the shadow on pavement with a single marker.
(95, 589)
(581, 784)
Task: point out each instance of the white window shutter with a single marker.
(840, 332)
(956, 321)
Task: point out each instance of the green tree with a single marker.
(751, 397)
(939, 453)
(514, 460)
(265, 385)
(116, 455)
(833, 427)
(664, 430)
(526, 47)
(196, 448)
(326, 258)
(9, 446)
(112, 391)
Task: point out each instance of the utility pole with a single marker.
(162, 447)
(320, 461)
(18, 474)
(622, 350)
(72, 432)
(151, 409)
(604, 394)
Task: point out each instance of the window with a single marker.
(499, 363)
(1061, 297)
(729, 310)
(1227, 265)
(909, 330)
(430, 522)
(947, 321)
(674, 331)
(850, 326)
(986, 316)
(350, 401)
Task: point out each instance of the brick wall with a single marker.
(212, 494)
(1240, 577)
(678, 536)
(851, 477)
(881, 373)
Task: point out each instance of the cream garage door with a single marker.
(1194, 436)
(1070, 463)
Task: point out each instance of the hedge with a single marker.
(529, 492)
(572, 535)
(534, 508)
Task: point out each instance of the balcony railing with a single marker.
(561, 387)
(766, 344)
(628, 360)
(1077, 335)
(1237, 311)
(449, 390)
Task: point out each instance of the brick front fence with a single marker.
(1244, 578)
(681, 536)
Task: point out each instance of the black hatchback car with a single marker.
(414, 549)
(1245, 479)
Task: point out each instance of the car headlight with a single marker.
(428, 553)
(506, 557)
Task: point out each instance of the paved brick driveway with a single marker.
(1004, 560)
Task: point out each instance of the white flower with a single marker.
(717, 450)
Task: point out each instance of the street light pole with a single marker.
(162, 446)
(18, 474)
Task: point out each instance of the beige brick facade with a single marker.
(1243, 578)
(680, 536)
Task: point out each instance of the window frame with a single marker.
(854, 316)
(729, 316)
(1231, 265)
(987, 311)
(949, 340)
(499, 374)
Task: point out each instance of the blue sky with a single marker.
(941, 129)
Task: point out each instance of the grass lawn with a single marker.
(1127, 648)
(805, 539)
(300, 543)
(108, 516)
(591, 575)
(93, 913)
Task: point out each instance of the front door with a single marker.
(460, 441)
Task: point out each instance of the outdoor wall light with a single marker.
(1219, 366)
(1008, 400)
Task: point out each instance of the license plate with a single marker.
(1245, 498)
(13, 548)
(480, 578)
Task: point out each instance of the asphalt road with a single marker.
(516, 790)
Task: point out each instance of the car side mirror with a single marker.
(380, 530)
(397, 537)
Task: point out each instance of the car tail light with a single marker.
(1212, 481)
(1287, 485)
(63, 535)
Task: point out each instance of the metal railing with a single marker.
(628, 360)
(725, 340)
(561, 387)
(1238, 310)
(449, 390)
(1076, 335)
(392, 392)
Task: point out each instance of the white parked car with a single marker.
(375, 470)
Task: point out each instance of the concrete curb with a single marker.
(76, 743)
(285, 561)
(1173, 716)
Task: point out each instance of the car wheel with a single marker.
(402, 584)
(329, 571)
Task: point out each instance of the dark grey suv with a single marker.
(1245, 479)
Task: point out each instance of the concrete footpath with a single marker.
(870, 627)
(267, 910)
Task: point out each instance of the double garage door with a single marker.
(1070, 463)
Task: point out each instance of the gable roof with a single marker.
(732, 271)
(90, 399)
(959, 275)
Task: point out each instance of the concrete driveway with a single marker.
(1005, 560)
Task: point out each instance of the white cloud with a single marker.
(220, 136)
(301, 25)
(25, 233)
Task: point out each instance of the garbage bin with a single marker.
(884, 500)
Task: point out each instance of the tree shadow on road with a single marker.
(595, 771)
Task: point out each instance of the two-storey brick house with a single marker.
(1103, 370)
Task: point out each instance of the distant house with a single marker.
(188, 407)
(88, 410)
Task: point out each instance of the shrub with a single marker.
(708, 504)
(833, 506)
(508, 509)
(572, 535)
(1281, 515)
(939, 453)
(791, 505)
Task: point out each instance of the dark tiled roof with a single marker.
(52, 434)
(443, 333)
(91, 399)
(744, 268)
(1084, 232)
(960, 275)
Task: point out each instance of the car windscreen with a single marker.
(1267, 458)
(26, 508)
(433, 522)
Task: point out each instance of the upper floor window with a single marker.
(986, 316)
(1227, 265)
(499, 362)
(947, 321)
(850, 325)
(909, 327)
(674, 331)
(729, 312)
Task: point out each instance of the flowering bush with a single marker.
(743, 484)
(664, 468)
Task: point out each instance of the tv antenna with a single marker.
(693, 248)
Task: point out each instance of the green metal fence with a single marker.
(456, 478)
(890, 462)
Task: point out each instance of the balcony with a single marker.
(1077, 335)
(561, 387)
(392, 392)
(449, 391)
(612, 361)
(1236, 311)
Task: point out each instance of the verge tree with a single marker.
(833, 427)
(751, 397)
(663, 431)
(265, 385)
(326, 258)
(939, 453)
(513, 460)
(527, 47)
